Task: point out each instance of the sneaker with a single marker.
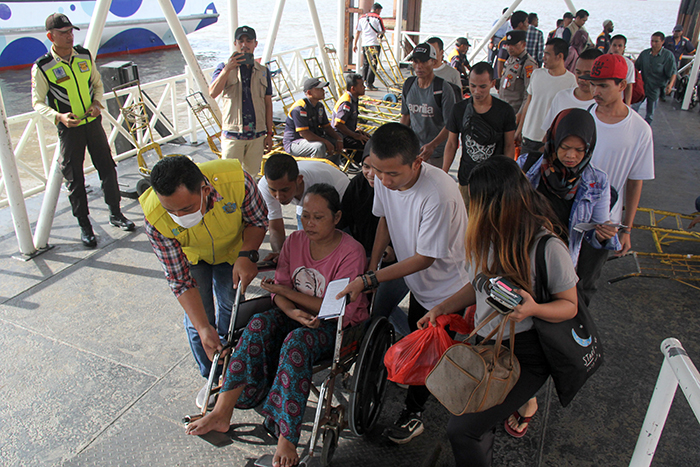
(122, 222)
(200, 398)
(408, 426)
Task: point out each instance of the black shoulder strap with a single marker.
(541, 278)
(437, 90)
(532, 157)
(407, 85)
(590, 107)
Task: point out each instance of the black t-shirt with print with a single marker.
(500, 117)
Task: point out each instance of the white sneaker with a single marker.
(199, 401)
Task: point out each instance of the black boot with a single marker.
(86, 234)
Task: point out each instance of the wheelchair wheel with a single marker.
(142, 185)
(369, 384)
(330, 443)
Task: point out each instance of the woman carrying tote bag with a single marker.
(506, 220)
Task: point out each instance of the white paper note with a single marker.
(332, 308)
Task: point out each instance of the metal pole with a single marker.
(232, 23)
(48, 205)
(398, 29)
(692, 79)
(570, 6)
(677, 369)
(493, 30)
(272, 33)
(655, 419)
(97, 25)
(340, 38)
(13, 187)
(321, 45)
(187, 52)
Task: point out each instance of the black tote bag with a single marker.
(573, 348)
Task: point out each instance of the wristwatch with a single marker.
(252, 255)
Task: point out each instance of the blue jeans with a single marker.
(212, 281)
(386, 303)
(651, 106)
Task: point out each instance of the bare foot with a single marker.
(286, 454)
(213, 421)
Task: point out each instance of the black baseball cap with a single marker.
(515, 36)
(462, 41)
(312, 83)
(58, 21)
(245, 31)
(423, 52)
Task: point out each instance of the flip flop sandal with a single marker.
(521, 420)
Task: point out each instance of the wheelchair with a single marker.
(358, 357)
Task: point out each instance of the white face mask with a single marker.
(189, 220)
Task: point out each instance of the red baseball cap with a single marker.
(607, 66)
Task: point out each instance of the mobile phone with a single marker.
(266, 265)
(264, 461)
(502, 309)
(505, 289)
(85, 117)
(249, 59)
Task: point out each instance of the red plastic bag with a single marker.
(411, 359)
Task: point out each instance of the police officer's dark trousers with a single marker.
(73, 144)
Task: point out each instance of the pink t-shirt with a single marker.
(297, 269)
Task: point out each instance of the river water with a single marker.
(636, 19)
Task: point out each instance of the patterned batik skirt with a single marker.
(274, 361)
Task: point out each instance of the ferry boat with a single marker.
(132, 26)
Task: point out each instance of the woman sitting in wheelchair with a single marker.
(273, 361)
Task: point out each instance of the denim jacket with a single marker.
(591, 204)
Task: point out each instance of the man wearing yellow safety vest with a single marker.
(205, 223)
(67, 89)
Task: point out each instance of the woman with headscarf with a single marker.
(578, 193)
(578, 45)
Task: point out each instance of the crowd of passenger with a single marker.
(549, 145)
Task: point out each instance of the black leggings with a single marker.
(472, 435)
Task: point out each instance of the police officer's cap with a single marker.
(58, 21)
(513, 37)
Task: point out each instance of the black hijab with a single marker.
(561, 180)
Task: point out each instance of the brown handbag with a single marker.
(474, 378)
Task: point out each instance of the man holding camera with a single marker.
(246, 92)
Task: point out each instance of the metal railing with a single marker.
(170, 110)
(409, 43)
(37, 139)
(677, 369)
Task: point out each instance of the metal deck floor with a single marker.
(96, 368)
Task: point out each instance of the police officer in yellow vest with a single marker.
(67, 89)
(205, 223)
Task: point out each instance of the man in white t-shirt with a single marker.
(579, 97)
(286, 182)
(545, 83)
(370, 27)
(421, 211)
(624, 150)
(617, 47)
(442, 68)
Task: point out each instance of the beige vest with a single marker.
(232, 95)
